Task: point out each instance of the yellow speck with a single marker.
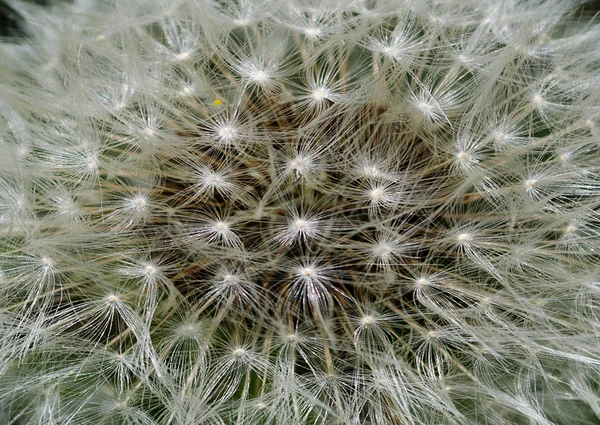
(217, 102)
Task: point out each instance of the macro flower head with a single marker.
(300, 212)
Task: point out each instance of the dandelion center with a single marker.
(303, 212)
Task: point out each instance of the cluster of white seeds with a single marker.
(293, 212)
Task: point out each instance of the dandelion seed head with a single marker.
(296, 212)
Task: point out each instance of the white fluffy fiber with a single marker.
(293, 212)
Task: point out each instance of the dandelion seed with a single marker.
(379, 195)
(464, 238)
(92, 164)
(113, 300)
(300, 166)
(367, 320)
(422, 282)
(538, 100)
(565, 157)
(531, 186)
(320, 94)
(188, 330)
(216, 230)
(239, 352)
(47, 264)
(371, 171)
(227, 134)
(299, 229)
(313, 32)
